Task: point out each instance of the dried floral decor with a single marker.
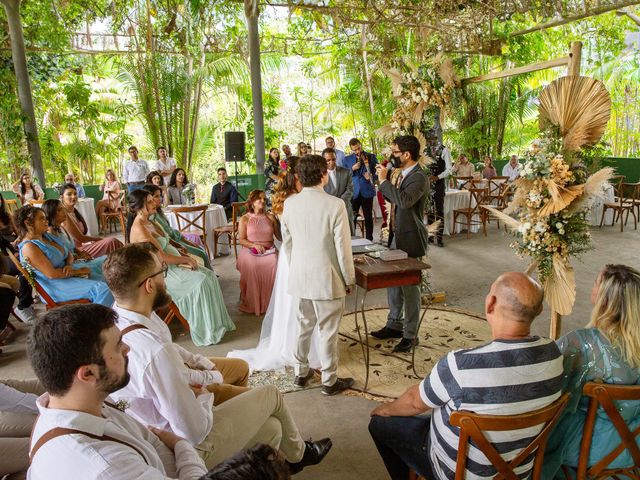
(554, 192)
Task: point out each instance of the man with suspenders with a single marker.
(78, 354)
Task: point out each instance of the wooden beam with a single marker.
(558, 62)
(575, 57)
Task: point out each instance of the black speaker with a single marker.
(234, 146)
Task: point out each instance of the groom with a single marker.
(317, 241)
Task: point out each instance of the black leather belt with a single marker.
(136, 183)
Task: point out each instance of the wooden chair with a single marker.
(11, 205)
(461, 183)
(49, 302)
(496, 187)
(237, 210)
(472, 426)
(359, 221)
(474, 214)
(194, 224)
(605, 395)
(623, 205)
(110, 217)
(35, 203)
(172, 312)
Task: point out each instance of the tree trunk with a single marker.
(503, 108)
(19, 57)
(186, 111)
(196, 111)
(367, 78)
(252, 13)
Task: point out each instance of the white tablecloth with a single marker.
(596, 208)
(215, 217)
(455, 199)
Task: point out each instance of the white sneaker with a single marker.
(26, 315)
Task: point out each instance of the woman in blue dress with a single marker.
(53, 263)
(56, 214)
(607, 350)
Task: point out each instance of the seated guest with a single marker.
(489, 170)
(260, 462)
(53, 262)
(512, 169)
(162, 393)
(258, 259)
(608, 350)
(8, 287)
(26, 189)
(194, 289)
(56, 214)
(8, 241)
(77, 228)
(160, 220)
(111, 200)
(18, 413)
(70, 178)
(224, 377)
(340, 183)
(177, 184)
(224, 193)
(105, 443)
(515, 373)
(463, 167)
(154, 178)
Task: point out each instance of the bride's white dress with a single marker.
(279, 335)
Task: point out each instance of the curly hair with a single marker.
(252, 197)
(285, 187)
(261, 462)
(311, 168)
(25, 217)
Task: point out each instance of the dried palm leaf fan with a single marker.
(579, 106)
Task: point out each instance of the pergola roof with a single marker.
(456, 25)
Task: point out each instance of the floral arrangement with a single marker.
(189, 192)
(122, 405)
(419, 93)
(552, 199)
(30, 272)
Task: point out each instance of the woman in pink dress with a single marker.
(76, 227)
(258, 259)
(111, 196)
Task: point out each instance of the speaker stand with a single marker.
(235, 167)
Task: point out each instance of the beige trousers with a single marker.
(327, 314)
(257, 416)
(235, 373)
(15, 430)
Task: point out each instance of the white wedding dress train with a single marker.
(279, 336)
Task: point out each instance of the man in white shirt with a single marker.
(135, 171)
(166, 394)
(331, 143)
(78, 354)
(165, 165)
(512, 169)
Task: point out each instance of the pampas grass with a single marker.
(579, 106)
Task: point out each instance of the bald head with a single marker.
(518, 297)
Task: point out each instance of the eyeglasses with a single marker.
(397, 151)
(165, 269)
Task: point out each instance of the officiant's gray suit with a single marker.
(317, 241)
(342, 188)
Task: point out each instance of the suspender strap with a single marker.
(131, 328)
(60, 431)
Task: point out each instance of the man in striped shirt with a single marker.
(515, 373)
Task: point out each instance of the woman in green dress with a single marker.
(195, 290)
(160, 220)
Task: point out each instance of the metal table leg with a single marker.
(365, 344)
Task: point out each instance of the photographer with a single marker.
(363, 169)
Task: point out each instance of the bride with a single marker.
(279, 335)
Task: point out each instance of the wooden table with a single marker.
(380, 274)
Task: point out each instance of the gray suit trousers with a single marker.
(407, 298)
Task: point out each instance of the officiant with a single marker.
(408, 198)
(340, 183)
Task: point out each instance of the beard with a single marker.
(109, 382)
(162, 298)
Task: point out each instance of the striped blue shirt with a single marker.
(504, 377)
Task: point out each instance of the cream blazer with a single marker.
(317, 240)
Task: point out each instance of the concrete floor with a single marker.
(464, 269)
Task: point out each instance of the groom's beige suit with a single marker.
(317, 240)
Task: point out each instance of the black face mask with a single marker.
(395, 161)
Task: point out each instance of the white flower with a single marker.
(524, 227)
(540, 227)
(559, 225)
